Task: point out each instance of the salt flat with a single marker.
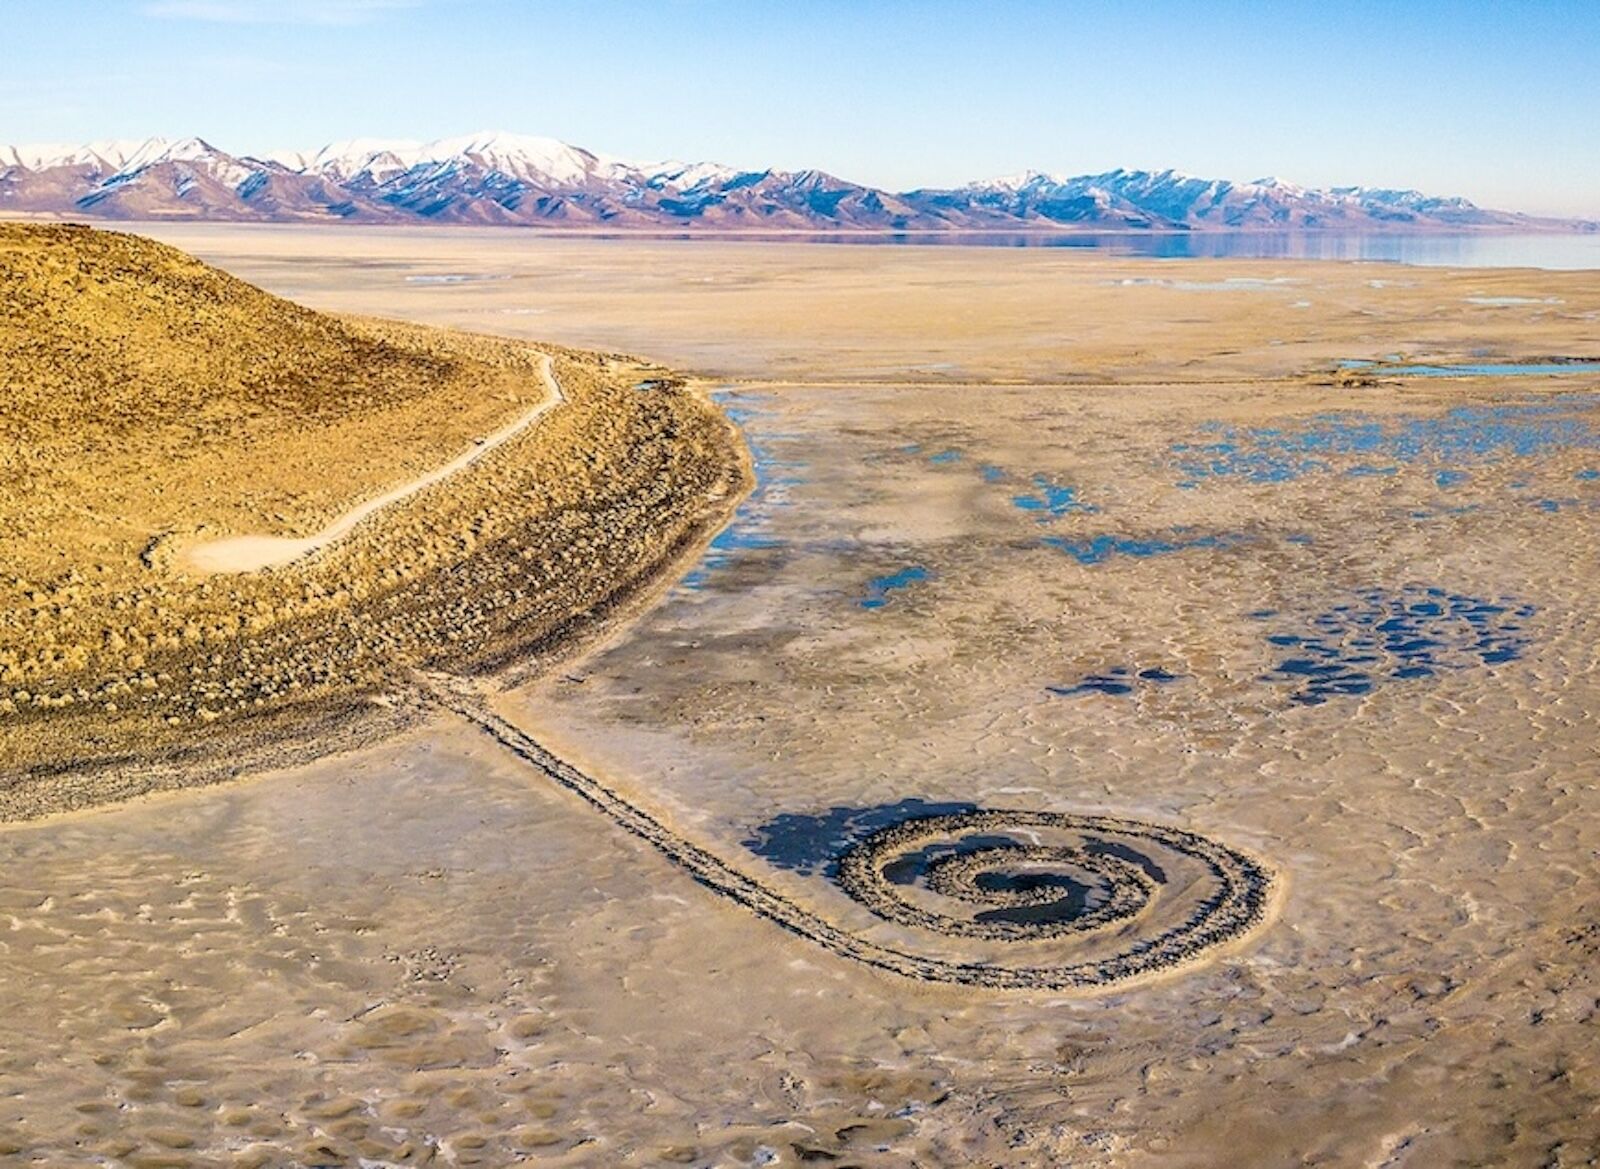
(774, 311)
(1062, 533)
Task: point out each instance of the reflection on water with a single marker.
(1388, 635)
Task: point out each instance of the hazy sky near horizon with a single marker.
(1497, 101)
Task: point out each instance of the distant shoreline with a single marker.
(1481, 247)
(1543, 228)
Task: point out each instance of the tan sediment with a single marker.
(941, 315)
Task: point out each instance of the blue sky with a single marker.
(1496, 101)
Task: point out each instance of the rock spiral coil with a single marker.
(1138, 897)
(1117, 900)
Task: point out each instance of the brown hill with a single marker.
(132, 371)
(148, 402)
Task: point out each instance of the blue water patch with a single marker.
(1588, 475)
(944, 458)
(453, 278)
(1270, 460)
(991, 473)
(1463, 434)
(879, 588)
(1448, 478)
(1482, 369)
(1118, 680)
(1384, 635)
(747, 531)
(1099, 549)
(809, 843)
(1051, 499)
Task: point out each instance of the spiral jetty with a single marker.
(1120, 865)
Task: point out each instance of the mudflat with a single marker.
(1107, 545)
(897, 313)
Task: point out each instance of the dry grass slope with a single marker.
(148, 401)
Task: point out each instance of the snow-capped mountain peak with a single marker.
(108, 154)
(682, 175)
(497, 177)
(519, 156)
(1019, 181)
(345, 160)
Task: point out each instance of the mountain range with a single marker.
(512, 179)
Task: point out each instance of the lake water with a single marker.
(1486, 369)
(1575, 250)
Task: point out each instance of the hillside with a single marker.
(149, 403)
(512, 179)
(145, 392)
